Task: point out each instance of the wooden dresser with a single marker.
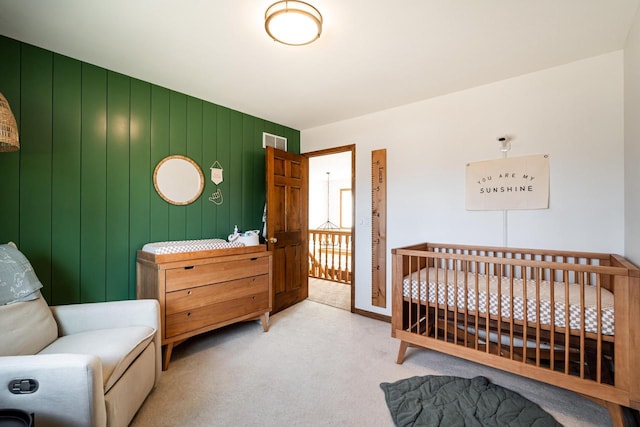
(204, 290)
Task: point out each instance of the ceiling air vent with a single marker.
(275, 141)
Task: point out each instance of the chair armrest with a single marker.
(75, 318)
(70, 388)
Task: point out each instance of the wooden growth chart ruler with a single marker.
(379, 228)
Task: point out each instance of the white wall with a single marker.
(632, 143)
(339, 166)
(573, 112)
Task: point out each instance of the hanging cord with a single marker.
(505, 146)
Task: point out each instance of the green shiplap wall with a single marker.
(78, 198)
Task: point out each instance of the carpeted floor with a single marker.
(317, 366)
(331, 293)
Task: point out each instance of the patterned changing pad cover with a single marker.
(590, 298)
(178, 246)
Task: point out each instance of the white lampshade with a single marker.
(295, 23)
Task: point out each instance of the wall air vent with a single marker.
(275, 141)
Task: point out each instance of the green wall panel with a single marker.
(194, 151)
(140, 169)
(234, 171)
(223, 154)
(177, 145)
(93, 214)
(65, 188)
(35, 161)
(258, 161)
(10, 162)
(117, 180)
(79, 197)
(159, 215)
(209, 152)
(248, 210)
(293, 139)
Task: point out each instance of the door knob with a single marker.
(273, 240)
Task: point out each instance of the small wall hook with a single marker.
(505, 143)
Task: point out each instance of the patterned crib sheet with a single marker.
(178, 246)
(450, 291)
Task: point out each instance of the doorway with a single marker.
(331, 230)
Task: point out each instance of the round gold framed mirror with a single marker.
(178, 180)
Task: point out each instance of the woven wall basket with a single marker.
(8, 127)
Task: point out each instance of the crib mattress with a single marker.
(415, 287)
(179, 246)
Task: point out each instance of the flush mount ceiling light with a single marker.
(294, 23)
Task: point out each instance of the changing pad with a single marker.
(178, 246)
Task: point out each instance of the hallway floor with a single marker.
(330, 293)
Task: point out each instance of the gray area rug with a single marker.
(448, 401)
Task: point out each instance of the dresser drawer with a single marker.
(203, 274)
(202, 317)
(190, 299)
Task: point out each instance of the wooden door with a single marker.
(287, 226)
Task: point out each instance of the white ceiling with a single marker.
(372, 55)
(337, 165)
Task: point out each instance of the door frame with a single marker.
(336, 150)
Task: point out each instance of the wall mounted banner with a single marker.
(510, 183)
(216, 172)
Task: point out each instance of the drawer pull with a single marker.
(189, 314)
(190, 267)
(253, 259)
(189, 292)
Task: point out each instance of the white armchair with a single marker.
(79, 365)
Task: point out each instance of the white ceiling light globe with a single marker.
(294, 23)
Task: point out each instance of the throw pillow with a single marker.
(18, 281)
(27, 327)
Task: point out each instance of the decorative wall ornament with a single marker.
(216, 178)
(178, 180)
(9, 140)
(508, 183)
(216, 197)
(216, 173)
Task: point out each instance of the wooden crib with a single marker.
(543, 314)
